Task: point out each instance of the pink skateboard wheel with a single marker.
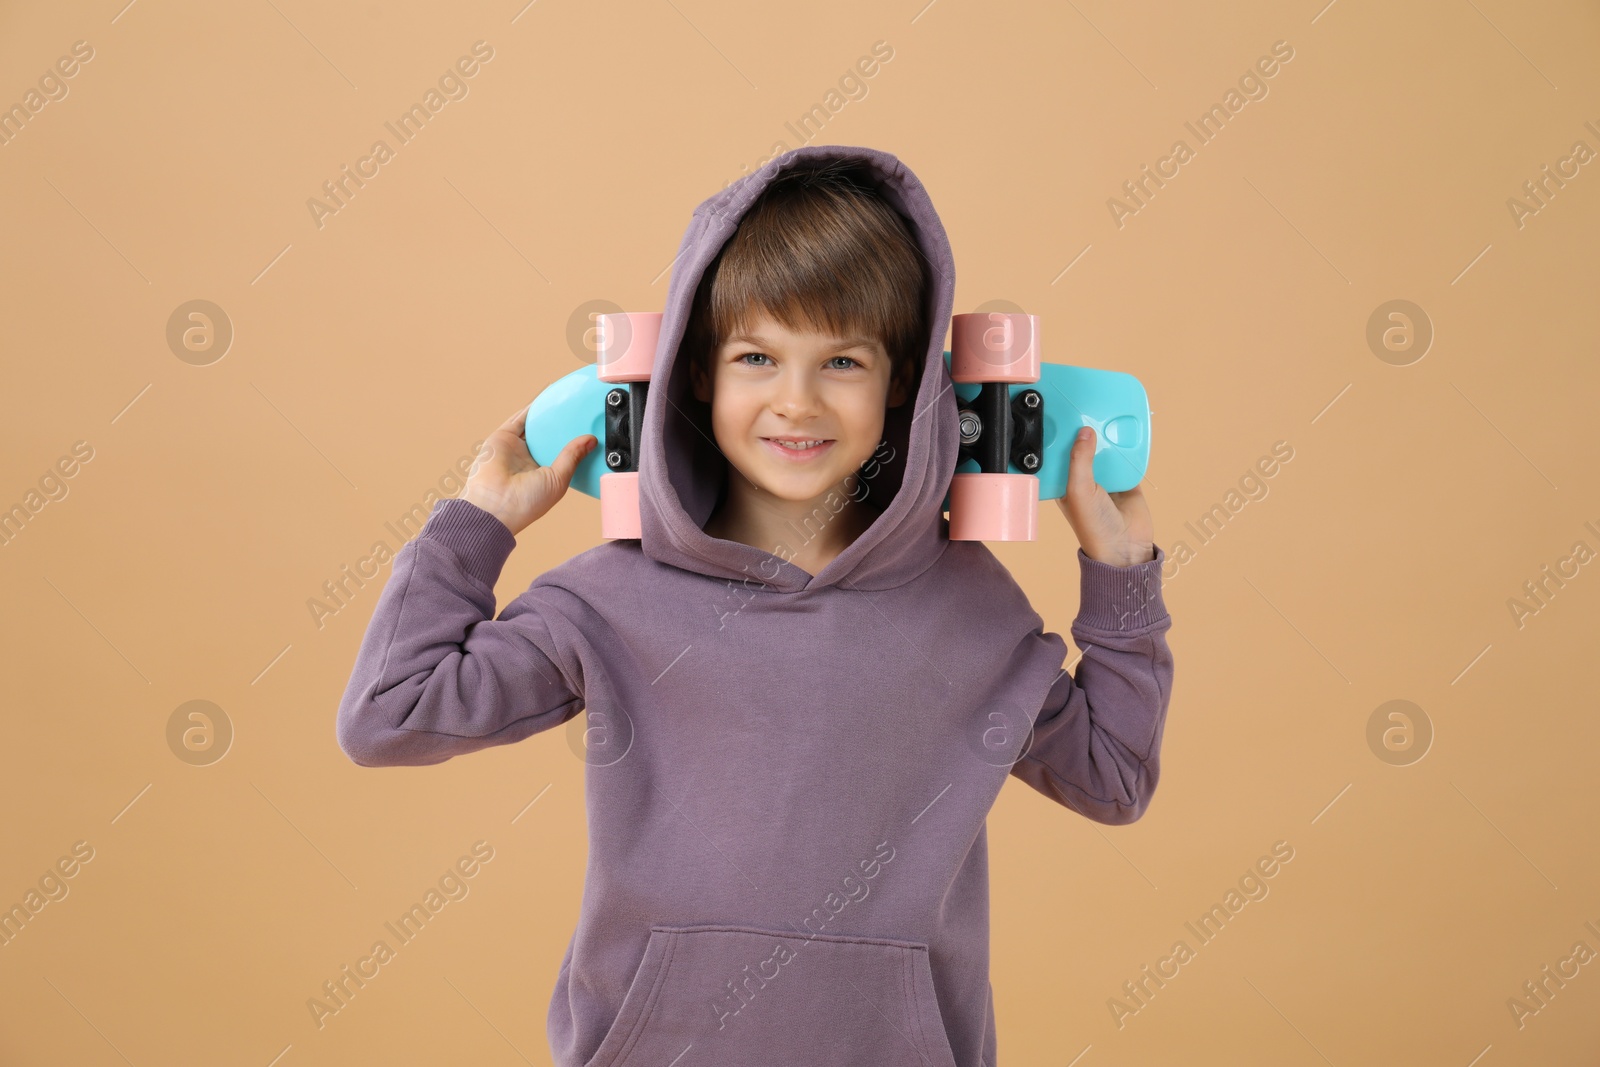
(619, 505)
(626, 347)
(994, 347)
(994, 507)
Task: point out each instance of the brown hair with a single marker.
(821, 250)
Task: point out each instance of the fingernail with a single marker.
(1083, 433)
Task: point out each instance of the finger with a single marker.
(518, 423)
(1080, 464)
(565, 464)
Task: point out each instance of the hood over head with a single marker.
(682, 472)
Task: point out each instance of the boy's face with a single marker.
(771, 382)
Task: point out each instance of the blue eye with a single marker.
(763, 355)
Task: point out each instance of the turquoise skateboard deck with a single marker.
(569, 407)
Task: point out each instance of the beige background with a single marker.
(371, 353)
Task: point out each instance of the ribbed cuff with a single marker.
(482, 541)
(1120, 598)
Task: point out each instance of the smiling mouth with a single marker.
(791, 451)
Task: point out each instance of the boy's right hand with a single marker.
(509, 484)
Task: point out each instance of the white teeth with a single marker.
(798, 446)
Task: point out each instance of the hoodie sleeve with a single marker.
(1097, 741)
(437, 675)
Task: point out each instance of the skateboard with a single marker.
(605, 398)
(1018, 418)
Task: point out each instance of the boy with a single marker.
(803, 698)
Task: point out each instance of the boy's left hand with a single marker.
(1113, 528)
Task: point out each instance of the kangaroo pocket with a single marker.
(733, 996)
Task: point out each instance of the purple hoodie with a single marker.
(787, 774)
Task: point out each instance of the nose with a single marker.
(795, 394)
